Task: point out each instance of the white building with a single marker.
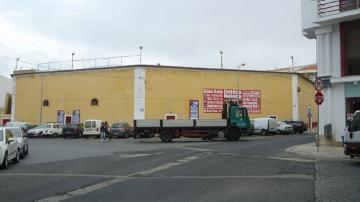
(335, 24)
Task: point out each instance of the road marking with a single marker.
(285, 176)
(165, 166)
(117, 179)
(196, 149)
(133, 155)
(56, 175)
(293, 159)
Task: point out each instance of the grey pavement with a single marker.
(253, 169)
(337, 176)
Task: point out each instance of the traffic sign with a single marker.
(319, 98)
(319, 85)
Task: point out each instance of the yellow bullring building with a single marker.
(125, 93)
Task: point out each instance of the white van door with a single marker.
(353, 134)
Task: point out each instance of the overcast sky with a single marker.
(263, 34)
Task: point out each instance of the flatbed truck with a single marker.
(234, 123)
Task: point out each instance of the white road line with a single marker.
(196, 149)
(293, 159)
(285, 176)
(56, 175)
(117, 179)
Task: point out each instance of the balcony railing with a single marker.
(330, 7)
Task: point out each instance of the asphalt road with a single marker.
(252, 169)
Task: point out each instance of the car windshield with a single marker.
(70, 126)
(16, 132)
(1, 135)
(40, 127)
(117, 125)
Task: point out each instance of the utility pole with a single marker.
(292, 63)
(221, 58)
(72, 60)
(140, 47)
(237, 88)
(17, 61)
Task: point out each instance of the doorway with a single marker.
(68, 119)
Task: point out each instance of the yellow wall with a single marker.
(306, 99)
(74, 90)
(169, 90)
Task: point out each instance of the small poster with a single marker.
(60, 116)
(76, 116)
(194, 109)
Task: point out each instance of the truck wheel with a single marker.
(263, 132)
(233, 134)
(166, 135)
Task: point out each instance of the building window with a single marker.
(45, 103)
(346, 5)
(94, 102)
(350, 48)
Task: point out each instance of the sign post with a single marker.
(319, 99)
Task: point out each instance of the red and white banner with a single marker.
(214, 99)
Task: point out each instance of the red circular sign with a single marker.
(319, 98)
(319, 85)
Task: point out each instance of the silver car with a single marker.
(22, 140)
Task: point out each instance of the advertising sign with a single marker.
(76, 116)
(60, 116)
(214, 99)
(194, 109)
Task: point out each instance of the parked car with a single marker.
(24, 125)
(284, 128)
(265, 126)
(22, 140)
(8, 148)
(298, 126)
(53, 130)
(37, 131)
(73, 130)
(121, 129)
(92, 128)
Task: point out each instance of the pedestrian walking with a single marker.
(103, 130)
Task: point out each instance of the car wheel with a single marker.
(301, 132)
(5, 163)
(263, 132)
(137, 136)
(22, 154)
(55, 135)
(27, 150)
(278, 132)
(79, 135)
(17, 157)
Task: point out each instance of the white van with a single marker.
(265, 126)
(352, 136)
(92, 128)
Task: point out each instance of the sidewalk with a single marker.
(337, 175)
(311, 149)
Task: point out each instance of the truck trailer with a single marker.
(235, 122)
(352, 136)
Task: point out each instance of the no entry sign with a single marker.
(319, 98)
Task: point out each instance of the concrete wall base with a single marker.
(329, 141)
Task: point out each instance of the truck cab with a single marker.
(352, 136)
(237, 116)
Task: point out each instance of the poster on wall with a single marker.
(214, 99)
(194, 109)
(60, 116)
(76, 116)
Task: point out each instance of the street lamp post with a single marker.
(140, 52)
(221, 58)
(292, 63)
(72, 60)
(237, 88)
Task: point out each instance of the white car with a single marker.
(52, 130)
(22, 140)
(37, 131)
(8, 148)
(284, 128)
